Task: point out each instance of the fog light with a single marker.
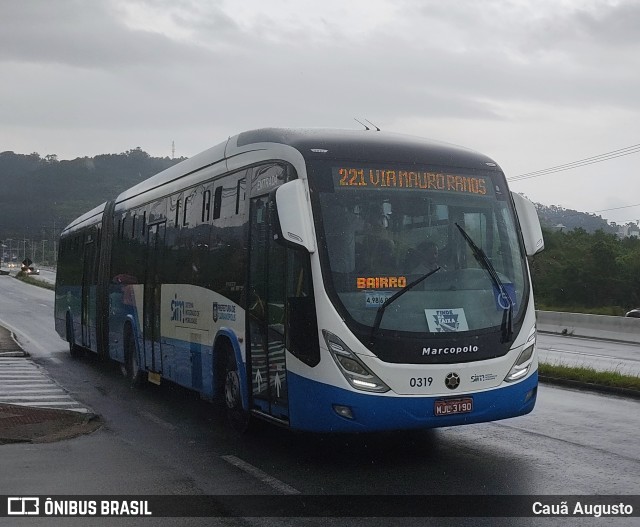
(531, 394)
(343, 411)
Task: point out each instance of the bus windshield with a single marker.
(384, 226)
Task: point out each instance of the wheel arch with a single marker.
(227, 340)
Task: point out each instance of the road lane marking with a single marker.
(586, 355)
(24, 383)
(274, 483)
(157, 420)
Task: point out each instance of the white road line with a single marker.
(54, 406)
(34, 397)
(30, 384)
(260, 475)
(27, 393)
(18, 376)
(14, 379)
(600, 356)
(24, 383)
(157, 420)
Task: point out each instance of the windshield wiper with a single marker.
(393, 298)
(481, 257)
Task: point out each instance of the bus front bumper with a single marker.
(315, 406)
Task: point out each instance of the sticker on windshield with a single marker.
(376, 298)
(502, 302)
(446, 320)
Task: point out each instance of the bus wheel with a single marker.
(238, 416)
(74, 350)
(131, 365)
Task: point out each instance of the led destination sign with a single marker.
(374, 178)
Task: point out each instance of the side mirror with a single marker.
(529, 223)
(292, 222)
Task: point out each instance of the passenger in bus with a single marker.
(340, 227)
(424, 258)
(377, 249)
(379, 254)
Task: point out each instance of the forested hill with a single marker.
(559, 218)
(38, 193)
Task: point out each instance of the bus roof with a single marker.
(366, 145)
(88, 218)
(320, 143)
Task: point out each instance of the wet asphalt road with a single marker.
(166, 441)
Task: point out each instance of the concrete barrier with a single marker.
(592, 326)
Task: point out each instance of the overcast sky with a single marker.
(531, 83)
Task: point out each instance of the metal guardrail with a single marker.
(622, 329)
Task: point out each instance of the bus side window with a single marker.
(217, 202)
(206, 206)
(177, 218)
(240, 195)
(185, 218)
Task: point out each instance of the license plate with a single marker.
(454, 406)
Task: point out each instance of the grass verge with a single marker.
(34, 281)
(609, 379)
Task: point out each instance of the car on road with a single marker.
(30, 269)
(634, 313)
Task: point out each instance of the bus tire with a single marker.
(74, 351)
(237, 416)
(131, 364)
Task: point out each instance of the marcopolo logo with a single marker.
(452, 380)
(450, 351)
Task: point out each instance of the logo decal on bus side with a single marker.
(177, 309)
(483, 377)
(183, 311)
(224, 312)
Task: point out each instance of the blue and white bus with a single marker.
(331, 281)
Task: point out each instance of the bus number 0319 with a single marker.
(420, 382)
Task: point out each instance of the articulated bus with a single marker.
(293, 274)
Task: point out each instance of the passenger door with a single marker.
(87, 315)
(266, 315)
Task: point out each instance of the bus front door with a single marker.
(265, 310)
(152, 307)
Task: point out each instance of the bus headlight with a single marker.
(521, 366)
(354, 370)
